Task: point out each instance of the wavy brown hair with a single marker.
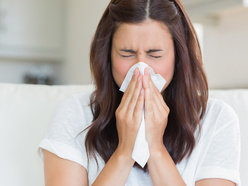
(186, 96)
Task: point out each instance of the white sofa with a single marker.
(25, 111)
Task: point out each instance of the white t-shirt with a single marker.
(216, 154)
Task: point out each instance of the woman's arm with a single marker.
(116, 171)
(163, 171)
(214, 182)
(128, 119)
(162, 168)
(63, 172)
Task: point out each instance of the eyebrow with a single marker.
(128, 50)
(132, 51)
(154, 50)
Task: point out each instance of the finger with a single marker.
(145, 79)
(138, 110)
(158, 98)
(130, 89)
(153, 87)
(135, 96)
(148, 84)
(149, 99)
(155, 110)
(149, 110)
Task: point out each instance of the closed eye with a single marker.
(127, 55)
(155, 56)
(155, 53)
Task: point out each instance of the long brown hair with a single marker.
(186, 96)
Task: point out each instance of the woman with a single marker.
(192, 139)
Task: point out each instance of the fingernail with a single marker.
(146, 71)
(136, 71)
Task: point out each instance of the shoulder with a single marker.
(80, 100)
(83, 101)
(219, 146)
(219, 116)
(72, 114)
(219, 110)
(65, 136)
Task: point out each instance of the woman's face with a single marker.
(149, 42)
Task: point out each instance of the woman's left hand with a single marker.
(156, 113)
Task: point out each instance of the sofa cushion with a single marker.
(25, 111)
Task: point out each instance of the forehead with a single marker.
(146, 32)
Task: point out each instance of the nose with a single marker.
(141, 57)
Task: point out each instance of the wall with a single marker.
(13, 71)
(82, 20)
(226, 50)
(31, 39)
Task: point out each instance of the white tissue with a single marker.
(141, 150)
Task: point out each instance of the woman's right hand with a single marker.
(129, 114)
(128, 119)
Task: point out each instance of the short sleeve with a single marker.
(223, 156)
(65, 134)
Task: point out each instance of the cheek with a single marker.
(119, 71)
(166, 71)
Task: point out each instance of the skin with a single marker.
(149, 42)
(130, 47)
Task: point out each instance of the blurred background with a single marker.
(47, 41)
